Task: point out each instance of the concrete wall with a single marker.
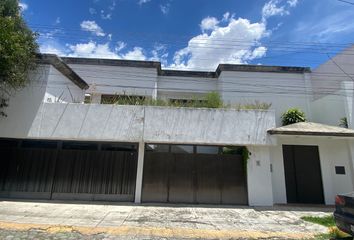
(259, 179)
(61, 89)
(149, 124)
(282, 90)
(333, 152)
(24, 105)
(117, 80)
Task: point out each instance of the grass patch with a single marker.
(327, 221)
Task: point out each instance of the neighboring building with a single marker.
(57, 147)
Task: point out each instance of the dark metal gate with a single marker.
(56, 170)
(303, 174)
(194, 178)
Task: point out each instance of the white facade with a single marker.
(324, 98)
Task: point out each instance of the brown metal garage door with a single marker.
(67, 170)
(194, 178)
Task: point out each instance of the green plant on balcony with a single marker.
(293, 115)
(343, 122)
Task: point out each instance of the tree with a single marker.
(18, 49)
(293, 115)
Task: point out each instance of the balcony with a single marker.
(150, 124)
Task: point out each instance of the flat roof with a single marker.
(186, 73)
(312, 129)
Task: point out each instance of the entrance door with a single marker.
(303, 174)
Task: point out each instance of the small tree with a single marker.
(18, 50)
(293, 115)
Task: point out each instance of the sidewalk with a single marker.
(166, 221)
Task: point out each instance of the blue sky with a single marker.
(194, 34)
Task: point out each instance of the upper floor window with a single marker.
(122, 99)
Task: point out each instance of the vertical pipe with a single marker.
(139, 174)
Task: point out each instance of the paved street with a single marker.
(54, 220)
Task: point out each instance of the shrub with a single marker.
(343, 122)
(213, 100)
(293, 115)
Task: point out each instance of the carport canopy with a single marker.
(312, 129)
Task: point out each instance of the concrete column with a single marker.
(139, 174)
(259, 178)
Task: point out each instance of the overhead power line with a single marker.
(352, 3)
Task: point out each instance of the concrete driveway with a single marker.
(127, 221)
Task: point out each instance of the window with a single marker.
(122, 99)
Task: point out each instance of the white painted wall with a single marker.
(61, 89)
(333, 152)
(24, 105)
(117, 80)
(329, 109)
(282, 90)
(259, 178)
(185, 87)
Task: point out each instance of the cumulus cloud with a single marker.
(91, 26)
(23, 6)
(91, 50)
(136, 54)
(48, 48)
(237, 42)
(210, 23)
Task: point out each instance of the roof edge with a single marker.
(261, 68)
(184, 73)
(63, 68)
(300, 133)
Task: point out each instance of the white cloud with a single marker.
(91, 26)
(23, 6)
(92, 11)
(238, 42)
(277, 8)
(136, 54)
(209, 23)
(114, 3)
(141, 2)
(293, 3)
(92, 50)
(120, 46)
(226, 17)
(165, 9)
(159, 53)
(272, 8)
(106, 16)
(48, 48)
(57, 21)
